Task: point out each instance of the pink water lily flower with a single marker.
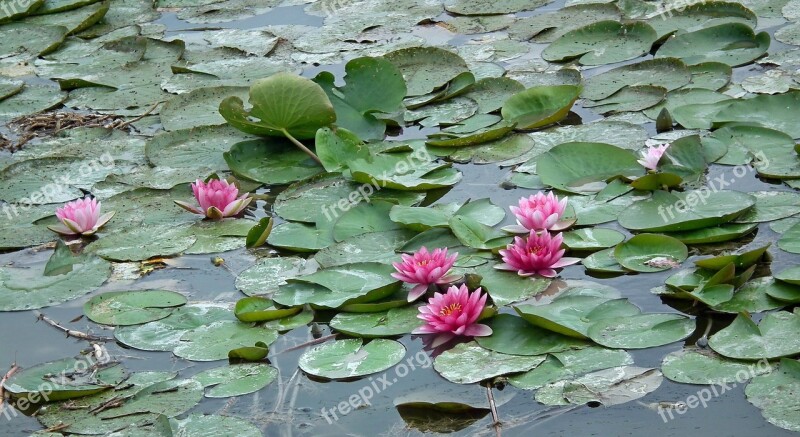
(424, 268)
(453, 313)
(539, 212)
(80, 217)
(539, 254)
(218, 199)
(652, 155)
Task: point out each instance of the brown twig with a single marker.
(14, 368)
(493, 407)
(70, 332)
(134, 120)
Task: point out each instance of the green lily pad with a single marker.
(585, 167)
(211, 342)
(716, 234)
(282, 103)
(685, 211)
(67, 378)
(731, 43)
(426, 68)
(592, 238)
(603, 262)
(629, 98)
(270, 161)
(604, 42)
(350, 358)
(540, 106)
(766, 110)
(198, 107)
(790, 275)
(236, 380)
(165, 334)
(692, 17)
(741, 260)
(26, 287)
(300, 237)
(770, 206)
(574, 315)
(507, 287)
(141, 243)
(773, 337)
(397, 321)
(641, 331)
(267, 274)
(756, 296)
(570, 364)
(514, 336)
(702, 366)
(132, 307)
(790, 240)
(609, 387)
(651, 253)
(336, 286)
(404, 172)
(364, 218)
(773, 394)
(467, 363)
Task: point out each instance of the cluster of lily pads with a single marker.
(221, 123)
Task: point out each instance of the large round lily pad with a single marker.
(350, 358)
(132, 307)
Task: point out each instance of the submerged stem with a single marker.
(301, 146)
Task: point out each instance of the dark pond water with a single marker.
(294, 406)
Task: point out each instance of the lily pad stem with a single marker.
(301, 146)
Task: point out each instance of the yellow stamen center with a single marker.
(450, 309)
(535, 250)
(423, 263)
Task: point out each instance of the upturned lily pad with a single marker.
(773, 337)
(514, 336)
(540, 106)
(651, 253)
(467, 363)
(604, 42)
(282, 103)
(397, 321)
(132, 307)
(609, 387)
(773, 394)
(259, 309)
(702, 366)
(211, 342)
(585, 167)
(341, 359)
(236, 380)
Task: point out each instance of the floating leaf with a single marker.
(350, 358)
(132, 307)
(585, 167)
(604, 42)
(270, 161)
(165, 334)
(732, 43)
(514, 336)
(702, 366)
(641, 331)
(236, 380)
(609, 387)
(569, 364)
(397, 321)
(651, 253)
(467, 363)
(685, 211)
(212, 341)
(773, 337)
(67, 378)
(773, 394)
(540, 106)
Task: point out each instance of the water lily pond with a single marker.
(364, 217)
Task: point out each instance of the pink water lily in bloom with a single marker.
(425, 268)
(652, 155)
(218, 199)
(453, 313)
(539, 254)
(539, 212)
(80, 217)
